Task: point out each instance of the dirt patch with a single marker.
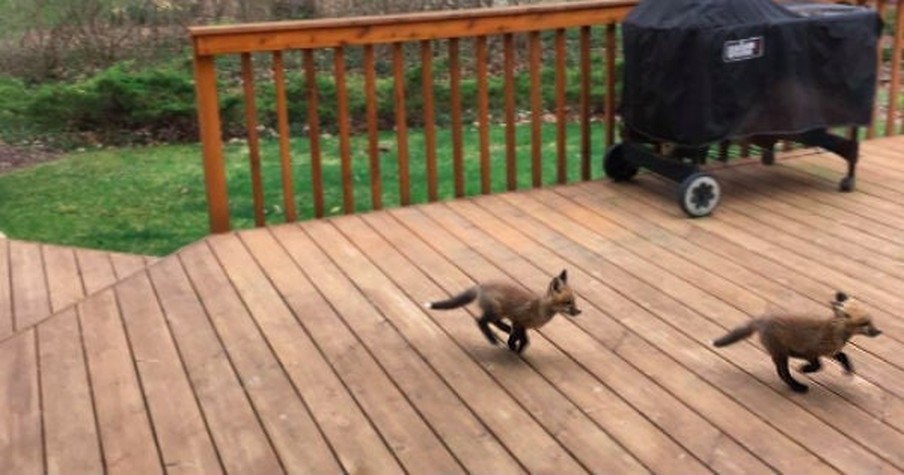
(16, 157)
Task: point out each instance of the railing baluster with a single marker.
(429, 118)
(373, 140)
(310, 74)
(254, 146)
(212, 150)
(285, 154)
(896, 62)
(585, 103)
(483, 112)
(455, 99)
(511, 171)
(536, 106)
(561, 108)
(398, 67)
(345, 153)
(893, 87)
(871, 130)
(611, 48)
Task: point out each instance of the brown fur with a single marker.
(807, 338)
(501, 301)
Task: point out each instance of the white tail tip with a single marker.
(428, 305)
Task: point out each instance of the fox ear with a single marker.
(563, 276)
(558, 282)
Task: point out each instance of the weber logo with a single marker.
(741, 50)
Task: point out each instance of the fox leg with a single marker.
(781, 365)
(502, 325)
(518, 340)
(845, 362)
(484, 324)
(812, 366)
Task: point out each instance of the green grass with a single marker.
(147, 200)
(151, 200)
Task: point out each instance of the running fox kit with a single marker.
(501, 301)
(808, 338)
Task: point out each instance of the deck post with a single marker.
(211, 143)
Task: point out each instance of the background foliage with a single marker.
(76, 73)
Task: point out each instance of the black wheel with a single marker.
(847, 184)
(616, 166)
(699, 194)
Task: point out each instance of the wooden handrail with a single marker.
(336, 38)
(331, 33)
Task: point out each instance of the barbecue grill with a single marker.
(704, 72)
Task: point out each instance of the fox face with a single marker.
(857, 319)
(560, 296)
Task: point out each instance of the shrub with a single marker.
(123, 105)
(128, 104)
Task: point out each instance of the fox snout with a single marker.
(873, 331)
(574, 311)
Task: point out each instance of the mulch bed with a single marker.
(14, 157)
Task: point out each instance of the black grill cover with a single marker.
(701, 71)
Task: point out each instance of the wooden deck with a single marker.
(305, 348)
(38, 280)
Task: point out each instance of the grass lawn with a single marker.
(151, 200)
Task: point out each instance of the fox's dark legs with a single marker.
(518, 340)
(484, 324)
(845, 362)
(812, 366)
(501, 325)
(781, 365)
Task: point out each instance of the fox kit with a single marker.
(523, 309)
(808, 338)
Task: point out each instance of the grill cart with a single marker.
(705, 72)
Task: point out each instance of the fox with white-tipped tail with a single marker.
(807, 338)
(501, 301)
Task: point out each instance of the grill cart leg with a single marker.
(846, 148)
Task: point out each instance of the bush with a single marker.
(126, 104)
(120, 105)
(14, 102)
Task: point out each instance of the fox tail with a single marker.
(459, 300)
(736, 335)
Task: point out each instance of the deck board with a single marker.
(179, 428)
(241, 443)
(306, 347)
(124, 424)
(39, 280)
(300, 444)
(7, 325)
(30, 296)
(21, 434)
(72, 444)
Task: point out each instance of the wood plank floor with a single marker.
(306, 348)
(38, 280)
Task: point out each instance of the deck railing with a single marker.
(458, 37)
